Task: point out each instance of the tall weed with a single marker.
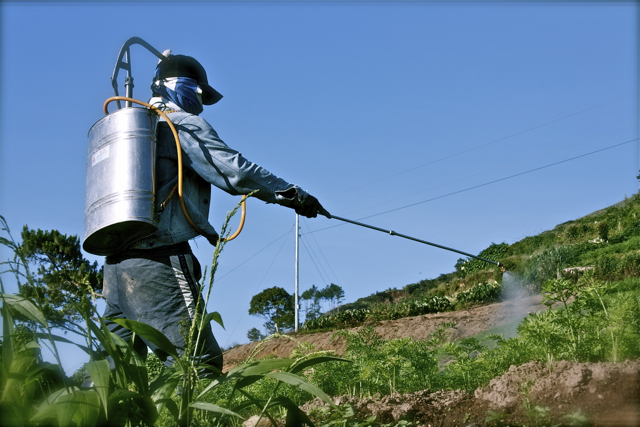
(36, 393)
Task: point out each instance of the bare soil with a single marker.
(607, 394)
(469, 323)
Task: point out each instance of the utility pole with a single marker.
(296, 307)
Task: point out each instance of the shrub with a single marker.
(603, 230)
(482, 292)
(472, 265)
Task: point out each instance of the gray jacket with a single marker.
(206, 160)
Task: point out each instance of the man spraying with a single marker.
(155, 280)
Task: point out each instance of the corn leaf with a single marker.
(150, 333)
(81, 406)
(171, 407)
(15, 378)
(245, 370)
(66, 407)
(295, 416)
(99, 372)
(258, 368)
(122, 394)
(87, 407)
(25, 307)
(7, 334)
(213, 408)
(301, 383)
(247, 381)
(215, 316)
(314, 361)
(62, 339)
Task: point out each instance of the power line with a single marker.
(309, 248)
(479, 146)
(263, 277)
(486, 183)
(252, 256)
(314, 263)
(335, 276)
(485, 171)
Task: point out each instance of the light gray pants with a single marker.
(158, 287)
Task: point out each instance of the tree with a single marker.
(336, 294)
(312, 308)
(275, 305)
(254, 335)
(63, 279)
(332, 293)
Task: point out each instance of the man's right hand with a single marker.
(311, 207)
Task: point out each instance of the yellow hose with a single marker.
(179, 149)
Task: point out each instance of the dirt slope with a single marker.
(469, 323)
(606, 394)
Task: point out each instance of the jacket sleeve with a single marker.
(227, 169)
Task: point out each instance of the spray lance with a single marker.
(393, 233)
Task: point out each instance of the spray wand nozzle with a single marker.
(393, 233)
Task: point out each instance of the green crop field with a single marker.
(587, 269)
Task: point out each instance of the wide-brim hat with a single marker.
(186, 66)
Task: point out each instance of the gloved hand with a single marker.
(311, 207)
(213, 239)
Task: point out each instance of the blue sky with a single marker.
(366, 105)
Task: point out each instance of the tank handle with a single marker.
(179, 184)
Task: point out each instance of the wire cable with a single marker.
(487, 183)
(252, 256)
(326, 282)
(485, 171)
(313, 253)
(335, 276)
(259, 284)
(479, 146)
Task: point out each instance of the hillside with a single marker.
(605, 241)
(477, 346)
(503, 316)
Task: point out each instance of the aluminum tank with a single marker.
(120, 189)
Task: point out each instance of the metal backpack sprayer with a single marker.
(120, 202)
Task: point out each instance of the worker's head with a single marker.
(183, 80)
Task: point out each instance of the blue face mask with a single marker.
(183, 91)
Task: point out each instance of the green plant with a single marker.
(603, 230)
(496, 418)
(494, 252)
(62, 278)
(576, 418)
(548, 264)
(482, 292)
(537, 415)
(38, 393)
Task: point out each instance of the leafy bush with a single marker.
(548, 264)
(494, 252)
(603, 230)
(379, 366)
(482, 292)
